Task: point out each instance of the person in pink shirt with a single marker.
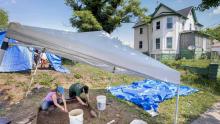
(55, 98)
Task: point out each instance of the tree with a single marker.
(214, 32)
(207, 4)
(3, 18)
(93, 15)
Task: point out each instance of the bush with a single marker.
(68, 62)
(77, 76)
(192, 63)
(45, 79)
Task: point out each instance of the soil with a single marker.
(27, 111)
(55, 116)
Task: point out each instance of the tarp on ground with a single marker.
(96, 48)
(20, 58)
(149, 93)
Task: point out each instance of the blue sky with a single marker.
(55, 14)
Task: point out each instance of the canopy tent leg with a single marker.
(177, 106)
(109, 85)
(35, 71)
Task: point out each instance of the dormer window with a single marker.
(141, 30)
(190, 27)
(158, 25)
(169, 22)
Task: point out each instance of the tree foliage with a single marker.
(3, 18)
(207, 4)
(92, 15)
(214, 32)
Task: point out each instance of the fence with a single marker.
(213, 70)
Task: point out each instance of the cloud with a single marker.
(216, 11)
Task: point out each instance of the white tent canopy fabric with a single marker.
(96, 48)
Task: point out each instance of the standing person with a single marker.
(43, 60)
(55, 98)
(36, 56)
(76, 90)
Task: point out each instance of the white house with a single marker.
(162, 35)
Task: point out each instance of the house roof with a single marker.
(183, 13)
(197, 32)
(140, 23)
(173, 11)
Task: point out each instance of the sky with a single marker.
(55, 14)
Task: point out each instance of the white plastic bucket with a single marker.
(101, 102)
(76, 116)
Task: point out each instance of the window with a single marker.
(141, 30)
(158, 43)
(190, 27)
(169, 42)
(158, 25)
(140, 44)
(169, 22)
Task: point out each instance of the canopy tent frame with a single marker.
(27, 35)
(177, 105)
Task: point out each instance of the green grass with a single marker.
(44, 79)
(193, 63)
(2, 112)
(190, 107)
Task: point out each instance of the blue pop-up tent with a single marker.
(20, 58)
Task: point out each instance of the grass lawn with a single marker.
(190, 107)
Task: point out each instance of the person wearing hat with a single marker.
(55, 98)
(76, 90)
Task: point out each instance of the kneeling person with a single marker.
(55, 98)
(76, 90)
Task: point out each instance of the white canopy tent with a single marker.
(97, 49)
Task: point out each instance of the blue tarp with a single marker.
(149, 93)
(19, 58)
(56, 63)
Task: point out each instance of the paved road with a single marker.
(212, 116)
